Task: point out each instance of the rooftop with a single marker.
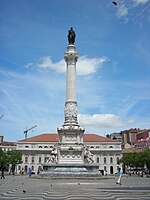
(53, 137)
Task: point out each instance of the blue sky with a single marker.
(113, 69)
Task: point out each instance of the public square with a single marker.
(23, 187)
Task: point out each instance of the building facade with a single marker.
(36, 151)
(6, 145)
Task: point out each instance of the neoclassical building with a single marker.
(37, 150)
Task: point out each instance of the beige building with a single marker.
(36, 151)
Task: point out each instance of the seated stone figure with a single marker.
(53, 156)
(88, 156)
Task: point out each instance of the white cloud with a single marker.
(140, 2)
(85, 65)
(47, 63)
(103, 120)
(122, 10)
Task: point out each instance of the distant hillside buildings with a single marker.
(132, 138)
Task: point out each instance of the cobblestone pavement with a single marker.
(25, 188)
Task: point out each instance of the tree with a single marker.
(12, 157)
(136, 159)
(15, 157)
(4, 159)
(146, 157)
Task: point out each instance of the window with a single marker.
(45, 159)
(111, 147)
(104, 160)
(97, 147)
(32, 160)
(97, 159)
(26, 146)
(105, 168)
(25, 168)
(111, 160)
(32, 167)
(91, 147)
(46, 147)
(39, 159)
(26, 159)
(111, 170)
(40, 146)
(117, 159)
(19, 167)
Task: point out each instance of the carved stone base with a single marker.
(71, 134)
(73, 170)
(71, 154)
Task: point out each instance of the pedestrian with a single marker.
(119, 176)
(30, 172)
(2, 174)
(105, 172)
(22, 171)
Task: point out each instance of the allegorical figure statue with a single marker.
(71, 36)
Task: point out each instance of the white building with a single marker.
(36, 151)
(6, 145)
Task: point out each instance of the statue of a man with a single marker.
(71, 36)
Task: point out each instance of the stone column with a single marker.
(71, 56)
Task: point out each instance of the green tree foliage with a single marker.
(146, 157)
(15, 157)
(10, 157)
(137, 159)
(4, 159)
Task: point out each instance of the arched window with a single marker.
(45, 159)
(32, 160)
(117, 159)
(111, 147)
(111, 170)
(32, 167)
(26, 146)
(97, 159)
(91, 147)
(40, 159)
(45, 146)
(25, 168)
(97, 147)
(104, 160)
(40, 146)
(26, 159)
(111, 160)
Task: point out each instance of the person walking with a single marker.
(119, 176)
(30, 172)
(2, 174)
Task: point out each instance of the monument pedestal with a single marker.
(70, 170)
(71, 147)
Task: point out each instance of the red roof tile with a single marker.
(53, 137)
(7, 143)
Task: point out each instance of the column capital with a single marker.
(71, 55)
